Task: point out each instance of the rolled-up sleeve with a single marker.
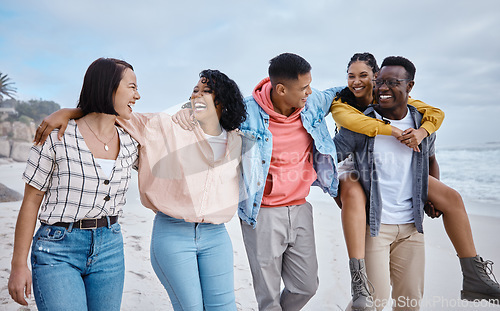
(40, 165)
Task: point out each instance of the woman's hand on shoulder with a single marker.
(185, 119)
(58, 119)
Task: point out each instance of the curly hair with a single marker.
(345, 95)
(401, 61)
(226, 93)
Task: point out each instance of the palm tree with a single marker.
(6, 87)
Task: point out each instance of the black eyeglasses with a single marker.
(390, 82)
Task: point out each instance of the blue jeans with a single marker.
(78, 269)
(194, 262)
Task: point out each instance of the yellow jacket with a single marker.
(352, 119)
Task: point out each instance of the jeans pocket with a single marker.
(48, 243)
(116, 228)
(51, 233)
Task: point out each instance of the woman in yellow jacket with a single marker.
(347, 112)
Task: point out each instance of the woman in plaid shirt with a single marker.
(190, 179)
(77, 253)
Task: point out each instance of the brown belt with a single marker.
(89, 223)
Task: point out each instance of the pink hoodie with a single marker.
(291, 172)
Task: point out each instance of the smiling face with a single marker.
(359, 79)
(202, 102)
(293, 94)
(394, 98)
(126, 94)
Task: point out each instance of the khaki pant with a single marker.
(396, 257)
(282, 246)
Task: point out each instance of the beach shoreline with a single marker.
(142, 289)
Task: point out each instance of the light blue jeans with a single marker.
(77, 269)
(194, 262)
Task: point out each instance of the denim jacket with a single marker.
(257, 148)
(361, 146)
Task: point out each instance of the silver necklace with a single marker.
(105, 144)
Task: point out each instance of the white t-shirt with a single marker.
(218, 144)
(393, 163)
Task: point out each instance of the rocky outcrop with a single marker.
(16, 140)
(4, 148)
(20, 151)
(23, 132)
(5, 128)
(9, 195)
(17, 130)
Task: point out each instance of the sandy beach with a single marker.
(144, 291)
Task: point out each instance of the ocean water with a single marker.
(474, 171)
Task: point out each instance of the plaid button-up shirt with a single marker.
(75, 186)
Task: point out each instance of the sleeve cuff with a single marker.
(429, 127)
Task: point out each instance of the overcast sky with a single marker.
(46, 46)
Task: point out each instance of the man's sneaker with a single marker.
(477, 282)
(361, 288)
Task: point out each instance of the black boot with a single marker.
(477, 282)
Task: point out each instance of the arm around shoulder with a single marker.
(352, 119)
(432, 117)
(140, 123)
(58, 119)
(324, 98)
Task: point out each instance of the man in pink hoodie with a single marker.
(286, 149)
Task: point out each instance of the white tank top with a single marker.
(106, 165)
